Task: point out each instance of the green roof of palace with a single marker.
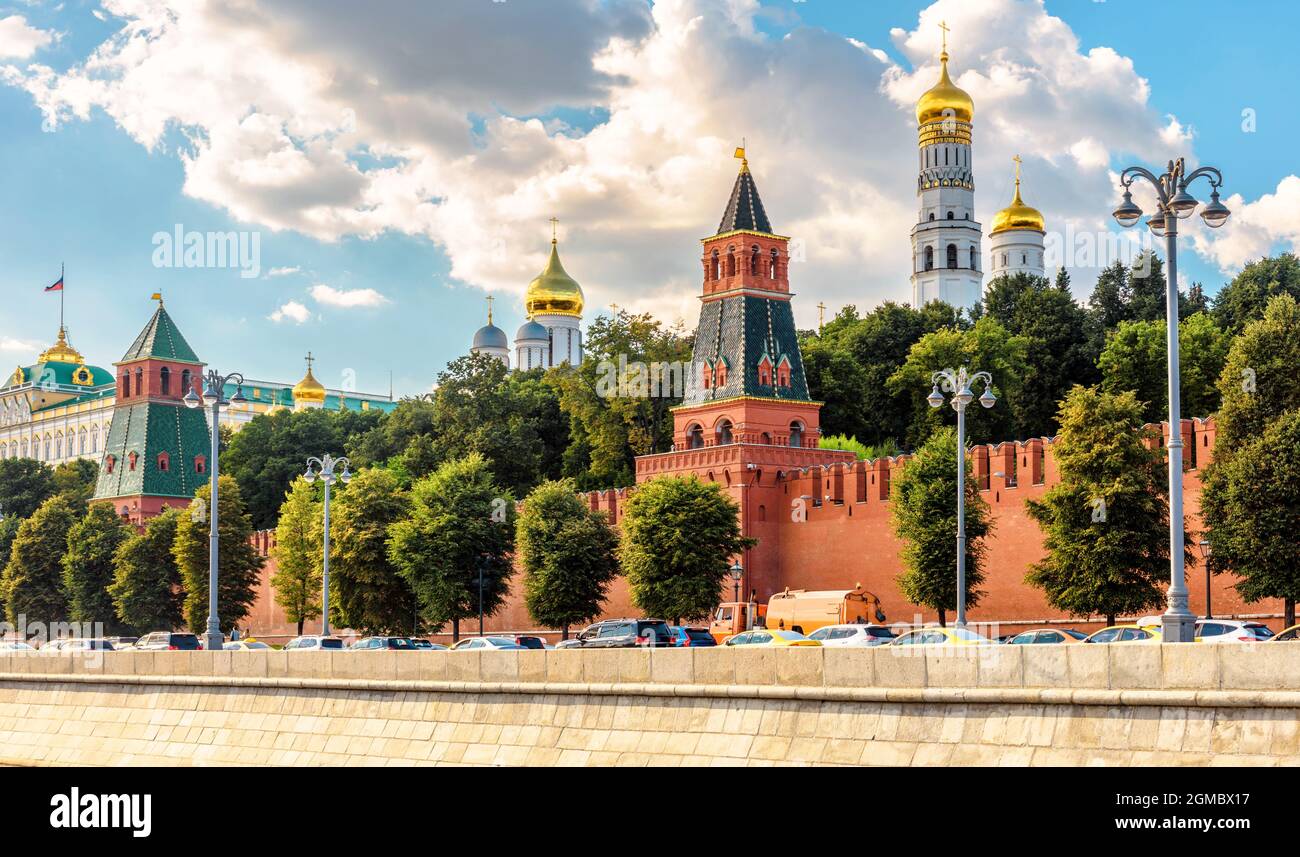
(162, 340)
(59, 375)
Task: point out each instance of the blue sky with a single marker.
(402, 225)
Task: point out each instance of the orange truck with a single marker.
(801, 610)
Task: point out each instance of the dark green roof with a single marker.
(148, 428)
(161, 339)
(745, 209)
(741, 330)
(59, 376)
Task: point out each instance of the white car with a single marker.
(314, 643)
(487, 644)
(1231, 631)
(852, 636)
(16, 646)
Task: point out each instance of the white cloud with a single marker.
(1254, 229)
(331, 296)
(19, 40)
(306, 119)
(283, 272)
(291, 311)
(21, 346)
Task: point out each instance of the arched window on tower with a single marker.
(952, 215)
(694, 436)
(972, 259)
(731, 261)
(139, 382)
(929, 258)
(723, 432)
(796, 433)
(932, 215)
(774, 264)
(126, 385)
(165, 381)
(753, 260)
(715, 267)
(952, 255)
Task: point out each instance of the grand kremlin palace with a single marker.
(130, 419)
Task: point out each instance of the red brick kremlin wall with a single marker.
(847, 538)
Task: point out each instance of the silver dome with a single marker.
(532, 331)
(490, 336)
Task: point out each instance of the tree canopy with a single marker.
(238, 563)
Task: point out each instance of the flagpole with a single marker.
(62, 289)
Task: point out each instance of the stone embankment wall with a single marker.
(1072, 705)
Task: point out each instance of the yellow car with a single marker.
(764, 637)
(1047, 635)
(249, 645)
(1125, 634)
(1287, 635)
(939, 637)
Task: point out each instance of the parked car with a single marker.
(626, 634)
(852, 636)
(16, 646)
(246, 646)
(1287, 635)
(691, 637)
(79, 644)
(374, 644)
(939, 637)
(500, 644)
(314, 643)
(577, 644)
(427, 646)
(769, 637)
(1231, 631)
(123, 642)
(529, 641)
(168, 641)
(1048, 635)
(1124, 634)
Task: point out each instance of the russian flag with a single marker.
(57, 287)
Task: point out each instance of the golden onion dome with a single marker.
(944, 100)
(309, 390)
(1017, 215)
(61, 351)
(553, 291)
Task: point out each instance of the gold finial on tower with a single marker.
(740, 153)
(821, 317)
(1016, 158)
(489, 300)
(555, 222)
(943, 25)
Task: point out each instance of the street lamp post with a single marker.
(215, 398)
(958, 383)
(1205, 557)
(737, 574)
(327, 464)
(1174, 203)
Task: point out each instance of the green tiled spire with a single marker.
(742, 329)
(161, 339)
(148, 429)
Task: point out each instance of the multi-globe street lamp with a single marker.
(1174, 203)
(327, 464)
(214, 397)
(958, 383)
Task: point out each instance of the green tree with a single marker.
(1109, 303)
(1135, 360)
(861, 450)
(88, 567)
(146, 588)
(366, 590)
(297, 552)
(1146, 280)
(271, 451)
(986, 346)
(77, 479)
(679, 538)
(1106, 523)
(1257, 405)
(460, 531)
(924, 513)
(1245, 298)
(25, 484)
(32, 582)
(238, 563)
(608, 429)
(569, 556)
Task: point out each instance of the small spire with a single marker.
(157, 296)
(1017, 201)
(821, 316)
(740, 153)
(555, 222)
(943, 56)
(489, 302)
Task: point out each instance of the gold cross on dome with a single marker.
(943, 25)
(821, 316)
(310, 360)
(489, 300)
(1016, 158)
(555, 222)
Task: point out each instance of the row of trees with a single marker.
(409, 560)
(1106, 522)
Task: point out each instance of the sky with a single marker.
(385, 166)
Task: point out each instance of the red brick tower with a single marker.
(746, 415)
